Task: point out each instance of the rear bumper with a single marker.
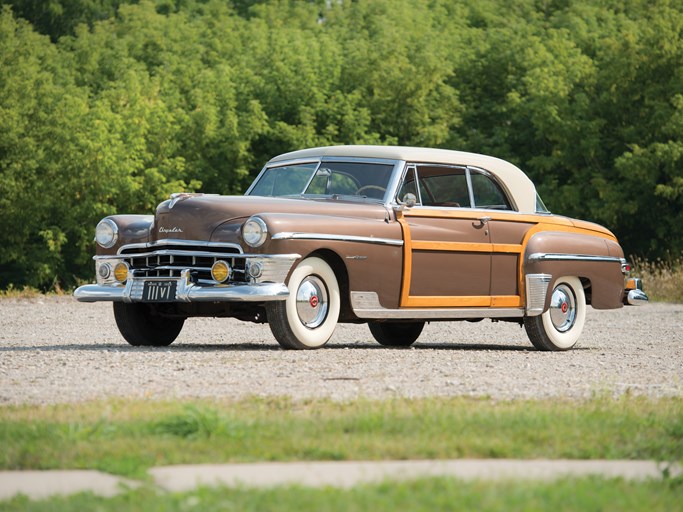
(186, 291)
(634, 294)
(636, 298)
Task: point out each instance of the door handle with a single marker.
(482, 222)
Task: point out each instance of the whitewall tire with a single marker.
(308, 317)
(561, 325)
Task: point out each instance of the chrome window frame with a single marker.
(404, 173)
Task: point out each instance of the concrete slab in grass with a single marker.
(43, 484)
(349, 473)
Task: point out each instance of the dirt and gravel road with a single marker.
(54, 349)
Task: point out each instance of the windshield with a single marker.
(353, 180)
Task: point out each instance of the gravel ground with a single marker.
(55, 349)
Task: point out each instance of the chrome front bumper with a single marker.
(186, 291)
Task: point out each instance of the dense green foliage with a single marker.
(108, 105)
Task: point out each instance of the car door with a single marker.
(507, 230)
(447, 250)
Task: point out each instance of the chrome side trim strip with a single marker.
(366, 305)
(536, 292)
(542, 256)
(181, 243)
(337, 238)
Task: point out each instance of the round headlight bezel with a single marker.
(106, 233)
(105, 271)
(254, 232)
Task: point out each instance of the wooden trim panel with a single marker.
(540, 224)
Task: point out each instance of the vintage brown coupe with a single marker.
(391, 236)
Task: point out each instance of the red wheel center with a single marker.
(564, 307)
(313, 301)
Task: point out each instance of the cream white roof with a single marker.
(520, 187)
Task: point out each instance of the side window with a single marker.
(443, 186)
(487, 193)
(450, 186)
(408, 186)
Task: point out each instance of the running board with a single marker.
(366, 305)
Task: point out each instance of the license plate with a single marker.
(159, 291)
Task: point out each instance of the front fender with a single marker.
(370, 249)
(133, 229)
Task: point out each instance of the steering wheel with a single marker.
(370, 187)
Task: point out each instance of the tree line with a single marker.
(107, 106)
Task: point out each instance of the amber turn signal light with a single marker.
(220, 271)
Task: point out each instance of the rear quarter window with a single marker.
(488, 194)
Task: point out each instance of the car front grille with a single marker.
(170, 258)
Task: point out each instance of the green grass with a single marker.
(427, 494)
(128, 437)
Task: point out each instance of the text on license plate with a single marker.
(159, 291)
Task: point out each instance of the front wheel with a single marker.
(396, 334)
(309, 316)
(559, 328)
(141, 325)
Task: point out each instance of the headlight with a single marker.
(106, 233)
(254, 232)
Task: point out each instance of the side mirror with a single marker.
(409, 200)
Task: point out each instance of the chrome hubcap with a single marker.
(563, 308)
(311, 302)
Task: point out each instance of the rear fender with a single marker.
(595, 260)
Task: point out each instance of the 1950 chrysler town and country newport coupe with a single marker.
(391, 236)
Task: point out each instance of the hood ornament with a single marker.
(179, 196)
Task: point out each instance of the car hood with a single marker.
(197, 217)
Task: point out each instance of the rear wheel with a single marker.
(141, 325)
(309, 316)
(396, 334)
(559, 328)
